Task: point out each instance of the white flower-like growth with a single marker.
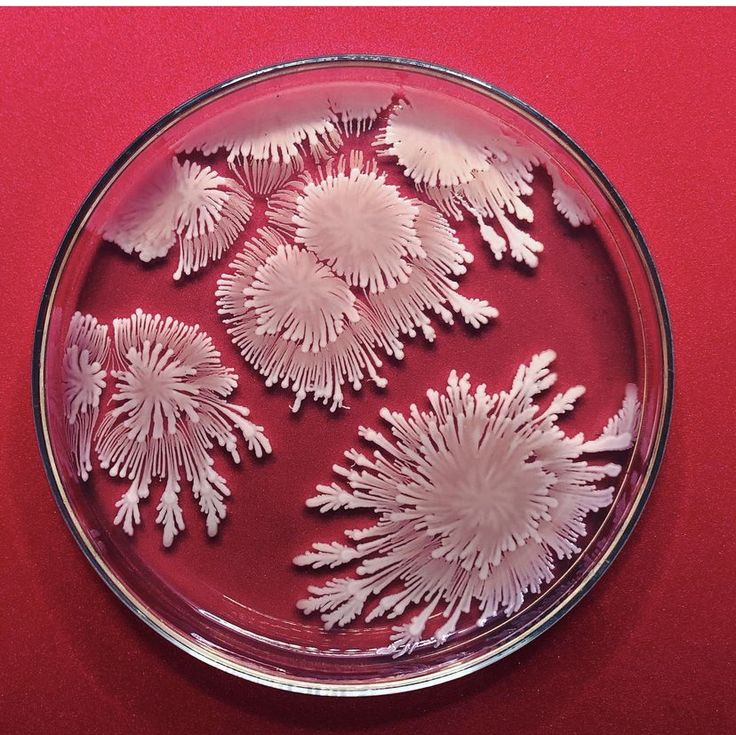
(432, 284)
(278, 129)
(185, 204)
(266, 140)
(357, 106)
(298, 323)
(476, 499)
(437, 144)
(348, 216)
(83, 377)
(360, 269)
(465, 162)
(170, 406)
(570, 202)
(297, 297)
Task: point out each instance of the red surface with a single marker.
(648, 93)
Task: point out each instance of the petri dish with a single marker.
(432, 140)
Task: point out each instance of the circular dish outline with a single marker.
(197, 648)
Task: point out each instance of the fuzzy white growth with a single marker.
(296, 296)
(496, 194)
(357, 106)
(570, 202)
(297, 323)
(280, 130)
(170, 405)
(263, 177)
(83, 377)
(294, 309)
(432, 285)
(438, 145)
(185, 204)
(620, 430)
(349, 217)
(464, 163)
(476, 499)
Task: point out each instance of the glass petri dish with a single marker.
(594, 298)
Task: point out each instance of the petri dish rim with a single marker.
(199, 649)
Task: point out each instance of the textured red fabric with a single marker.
(649, 94)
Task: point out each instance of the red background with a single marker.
(649, 94)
